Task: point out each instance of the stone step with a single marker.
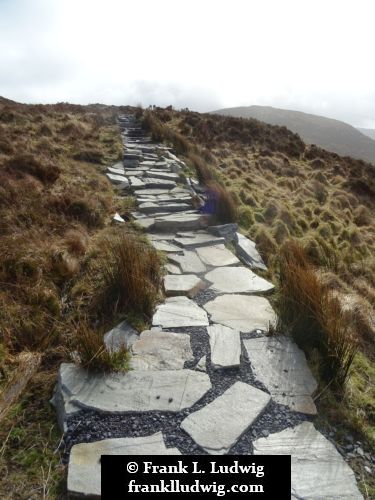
(318, 470)
(217, 426)
(133, 391)
(182, 284)
(84, 470)
(178, 223)
(217, 255)
(281, 366)
(225, 344)
(245, 313)
(195, 239)
(189, 262)
(120, 181)
(237, 280)
(163, 175)
(151, 207)
(177, 312)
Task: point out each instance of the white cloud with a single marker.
(313, 55)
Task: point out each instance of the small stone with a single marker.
(201, 365)
(122, 335)
(225, 346)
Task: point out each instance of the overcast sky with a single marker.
(310, 55)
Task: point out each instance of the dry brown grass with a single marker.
(315, 316)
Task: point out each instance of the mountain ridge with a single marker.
(328, 133)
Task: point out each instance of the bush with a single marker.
(88, 346)
(28, 164)
(314, 315)
(226, 210)
(130, 275)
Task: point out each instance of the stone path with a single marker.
(206, 378)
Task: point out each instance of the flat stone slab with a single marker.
(217, 255)
(163, 175)
(116, 171)
(84, 471)
(161, 351)
(179, 311)
(281, 366)
(150, 207)
(178, 222)
(227, 231)
(122, 335)
(136, 182)
(225, 344)
(147, 223)
(194, 240)
(247, 252)
(318, 470)
(182, 284)
(134, 391)
(164, 246)
(217, 426)
(173, 269)
(151, 182)
(189, 262)
(242, 312)
(237, 280)
(153, 192)
(120, 180)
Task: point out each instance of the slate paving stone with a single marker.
(178, 312)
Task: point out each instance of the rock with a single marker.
(194, 240)
(135, 182)
(134, 391)
(147, 224)
(152, 207)
(183, 284)
(237, 280)
(84, 472)
(161, 351)
(247, 252)
(217, 255)
(201, 365)
(158, 183)
(218, 426)
(178, 222)
(227, 231)
(172, 269)
(117, 218)
(122, 335)
(281, 366)
(116, 171)
(225, 346)
(318, 470)
(179, 311)
(121, 181)
(152, 192)
(189, 262)
(163, 175)
(241, 312)
(163, 246)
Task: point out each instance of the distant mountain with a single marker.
(327, 133)
(370, 132)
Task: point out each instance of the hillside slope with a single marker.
(327, 133)
(370, 132)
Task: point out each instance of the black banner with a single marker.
(266, 476)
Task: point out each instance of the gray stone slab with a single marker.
(318, 470)
(202, 364)
(179, 311)
(217, 426)
(178, 222)
(182, 284)
(146, 224)
(173, 269)
(225, 344)
(227, 231)
(116, 171)
(189, 262)
(152, 207)
(247, 252)
(164, 246)
(136, 182)
(242, 312)
(161, 351)
(84, 471)
(117, 218)
(157, 174)
(158, 183)
(134, 391)
(152, 192)
(237, 280)
(281, 366)
(217, 255)
(122, 335)
(161, 236)
(121, 181)
(195, 240)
